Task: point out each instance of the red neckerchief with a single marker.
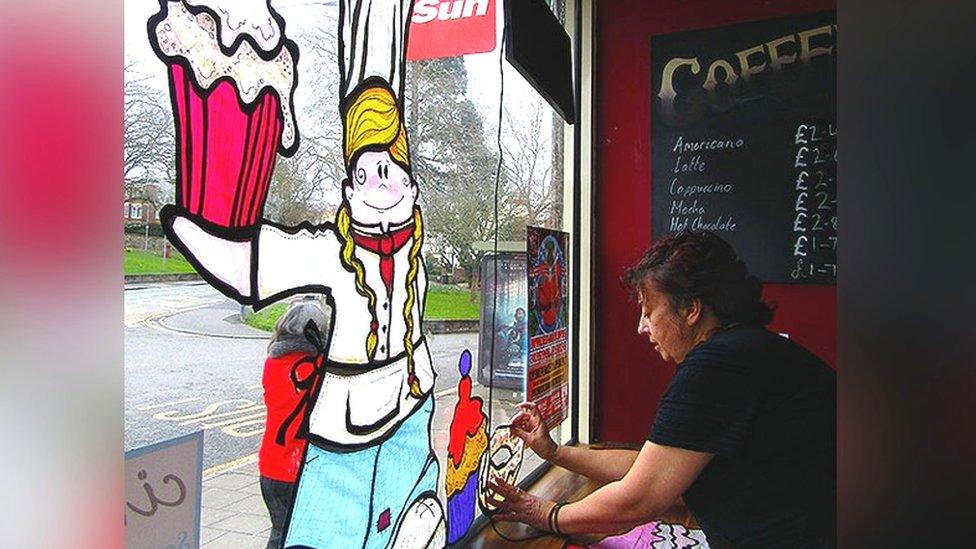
(385, 245)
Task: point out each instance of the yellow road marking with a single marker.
(233, 464)
(165, 404)
(232, 420)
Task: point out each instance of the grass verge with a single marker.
(447, 303)
(139, 262)
(265, 318)
(442, 304)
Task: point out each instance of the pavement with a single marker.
(219, 321)
(233, 514)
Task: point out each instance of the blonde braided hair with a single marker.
(349, 260)
(418, 240)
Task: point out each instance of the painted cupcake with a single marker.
(467, 443)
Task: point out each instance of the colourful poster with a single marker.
(547, 373)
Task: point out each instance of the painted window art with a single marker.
(503, 460)
(466, 447)
(298, 137)
(369, 476)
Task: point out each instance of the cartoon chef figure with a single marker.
(369, 477)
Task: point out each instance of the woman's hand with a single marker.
(520, 506)
(528, 426)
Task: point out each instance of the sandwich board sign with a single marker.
(163, 484)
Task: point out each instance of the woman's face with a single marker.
(666, 329)
(381, 192)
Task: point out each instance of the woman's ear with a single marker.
(693, 313)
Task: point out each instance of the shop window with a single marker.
(453, 109)
(486, 170)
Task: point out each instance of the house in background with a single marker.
(141, 207)
(139, 210)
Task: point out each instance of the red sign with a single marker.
(449, 28)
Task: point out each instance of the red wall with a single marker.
(629, 377)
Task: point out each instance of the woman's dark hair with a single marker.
(699, 264)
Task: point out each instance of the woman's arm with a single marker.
(600, 465)
(659, 475)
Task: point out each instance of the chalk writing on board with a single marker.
(743, 142)
(690, 204)
(815, 223)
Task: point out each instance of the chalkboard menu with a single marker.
(744, 142)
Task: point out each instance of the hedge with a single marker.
(155, 229)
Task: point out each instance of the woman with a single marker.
(745, 431)
(290, 351)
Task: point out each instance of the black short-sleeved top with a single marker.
(766, 408)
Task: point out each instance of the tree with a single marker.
(307, 185)
(318, 118)
(149, 147)
(529, 162)
(298, 187)
(450, 159)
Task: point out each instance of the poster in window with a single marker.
(547, 375)
(504, 335)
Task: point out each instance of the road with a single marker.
(178, 380)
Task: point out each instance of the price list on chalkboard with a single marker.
(744, 142)
(815, 221)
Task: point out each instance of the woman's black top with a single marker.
(766, 408)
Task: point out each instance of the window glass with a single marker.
(453, 107)
(194, 357)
